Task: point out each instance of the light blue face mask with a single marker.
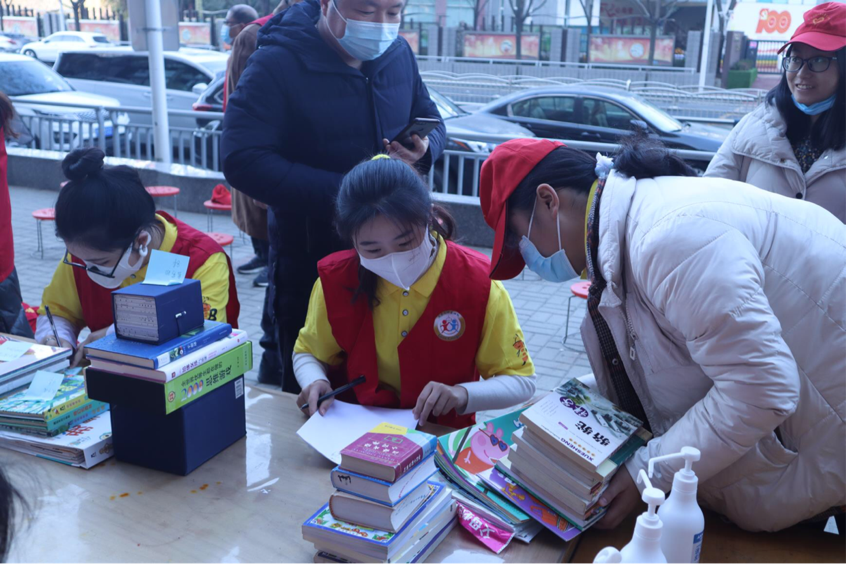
(224, 35)
(366, 41)
(816, 109)
(554, 268)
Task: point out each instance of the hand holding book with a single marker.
(621, 498)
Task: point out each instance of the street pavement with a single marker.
(541, 306)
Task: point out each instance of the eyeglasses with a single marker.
(496, 442)
(816, 64)
(92, 268)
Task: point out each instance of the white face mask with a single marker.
(123, 270)
(366, 41)
(405, 268)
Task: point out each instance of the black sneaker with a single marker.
(254, 265)
(261, 281)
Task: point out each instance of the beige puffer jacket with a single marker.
(757, 152)
(728, 307)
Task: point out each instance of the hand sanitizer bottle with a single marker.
(645, 546)
(683, 520)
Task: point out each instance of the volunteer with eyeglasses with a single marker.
(794, 144)
(409, 310)
(109, 225)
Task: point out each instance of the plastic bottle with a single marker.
(645, 545)
(683, 520)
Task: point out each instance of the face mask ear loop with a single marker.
(558, 225)
(532, 219)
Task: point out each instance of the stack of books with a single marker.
(20, 360)
(83, 445)
(572, 443)
(170, 389)
(467, 458)
(386, 507)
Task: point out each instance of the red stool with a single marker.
(212, 207)
(222, 239)
(44, 214)
(164, 192)
(579, 290)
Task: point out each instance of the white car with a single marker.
(35, 90)
(124, 74)
(48, 49)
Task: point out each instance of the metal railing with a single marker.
(458, 172)
(123, 131)
(679, 101)
(555, 64)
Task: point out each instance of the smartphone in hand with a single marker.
(421, 127)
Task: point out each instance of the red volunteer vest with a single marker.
(442, 345)
(96, 301)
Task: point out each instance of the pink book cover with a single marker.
(391, 446)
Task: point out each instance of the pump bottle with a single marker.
(645, 545)
(683, 520)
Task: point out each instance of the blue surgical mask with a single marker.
(366, 41)
(224, 35)
(554, 268)
(816, 109)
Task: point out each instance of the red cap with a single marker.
(824, 28)
(502, 172)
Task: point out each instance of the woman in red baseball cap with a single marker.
(795, 143)
(716, 315)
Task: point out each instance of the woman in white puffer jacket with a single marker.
(717, 312)
(794, 144)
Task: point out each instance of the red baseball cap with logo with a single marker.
(824, 28)
(502, 172)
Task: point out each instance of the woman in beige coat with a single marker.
(795, 143)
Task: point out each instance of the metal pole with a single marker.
(706, 43)
(155, 47)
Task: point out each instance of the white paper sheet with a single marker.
(13, 350)
(343, 423)
(44, 386)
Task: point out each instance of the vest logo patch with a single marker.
(449, 325)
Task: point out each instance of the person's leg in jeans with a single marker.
(262, 249)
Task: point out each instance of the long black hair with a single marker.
(102, 207)
(392, 189)
(12, 503)
(638, 157)
(829, 131)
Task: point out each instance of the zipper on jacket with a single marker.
(632, 334)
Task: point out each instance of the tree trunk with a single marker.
(653, 31)
(519, 36)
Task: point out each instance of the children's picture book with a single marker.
(586, 427)
(84, 445)
(70, 395)
(387, 451)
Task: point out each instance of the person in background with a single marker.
(238, 17)
(794, 144)
(250, 215)
(12, 316)
(330, 83)
(716, 314)
(110, 225)
(412, 311)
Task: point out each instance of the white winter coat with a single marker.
(757, 152)
(734, 300)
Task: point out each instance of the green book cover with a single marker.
(71, 394)
(207, 377)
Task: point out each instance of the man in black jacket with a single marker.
(329, 85)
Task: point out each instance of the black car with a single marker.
(601, 115)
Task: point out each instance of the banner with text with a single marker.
(194, 33)
(767, 21)
(110, 29)
(630, 50)
(19, 24)
(500, 46)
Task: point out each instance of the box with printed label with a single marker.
(182, 441)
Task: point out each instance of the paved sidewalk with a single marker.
(541, 306)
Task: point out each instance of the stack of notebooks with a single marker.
(571, 443)
(386, 507)
(176, 404)
(20, 360)
(467, 458)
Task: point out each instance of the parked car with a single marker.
(49, 48)
(601, 115)
(11, 42)
(124, 74)
(34, 88)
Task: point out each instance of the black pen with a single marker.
(341, 390)
(53, 326)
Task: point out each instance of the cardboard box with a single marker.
(180, 442)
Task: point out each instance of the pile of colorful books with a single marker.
(467, 458)
(387, 507)
(571, 443)
(70, 428)
(192, 381)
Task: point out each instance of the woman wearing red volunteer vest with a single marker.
(412, 312)
(109, 225)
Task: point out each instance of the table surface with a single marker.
(248, 504)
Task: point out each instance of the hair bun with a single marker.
(81, 163)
